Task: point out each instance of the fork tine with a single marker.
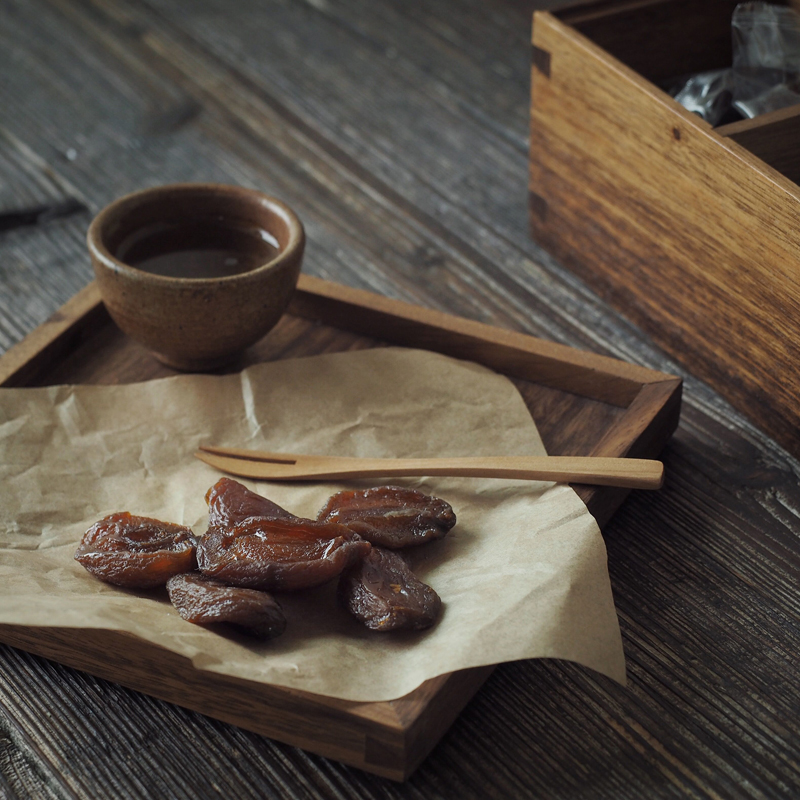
(251, 455)
(245, 467)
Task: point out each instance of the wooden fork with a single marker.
(630, 473)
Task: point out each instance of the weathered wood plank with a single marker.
(422, 198)
(458, 267)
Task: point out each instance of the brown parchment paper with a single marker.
(523, 574)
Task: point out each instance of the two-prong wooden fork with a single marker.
(631, 473)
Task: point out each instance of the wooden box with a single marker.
(690, 231)
(583, 404)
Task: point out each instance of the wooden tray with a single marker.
(690, 231)
(582, 404)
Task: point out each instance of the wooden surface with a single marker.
(399, 132)
(688, 233)
(639, 410)
(662, 39)
(772, 137)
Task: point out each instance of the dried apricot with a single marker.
(274, 553)
(381, 591)
(204, 601)
(230, 502)
(390, 516)
(136, 552)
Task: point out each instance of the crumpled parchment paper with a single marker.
(523, 574)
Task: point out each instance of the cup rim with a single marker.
(98, 249)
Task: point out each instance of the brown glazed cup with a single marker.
(190, 323)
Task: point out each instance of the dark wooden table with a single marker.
(399, 133)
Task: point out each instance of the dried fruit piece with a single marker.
(390, 516)
(203, 600)
(136, 552)
(230, 502)
(287, 554)
(382, 592)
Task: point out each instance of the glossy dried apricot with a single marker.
(230, 502)
(390, 516)
(275, 553)
(204, 601)
(136, 552)
(381, 591)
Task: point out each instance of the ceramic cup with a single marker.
(196, 272)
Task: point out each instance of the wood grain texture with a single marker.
(691, 234)
(772, 137)
(400, 130)
(662, 39)
(55, 339)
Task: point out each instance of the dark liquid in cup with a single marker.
(206, 249)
